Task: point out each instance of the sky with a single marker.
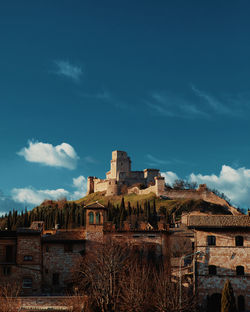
(166, 81)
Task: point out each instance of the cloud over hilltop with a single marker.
(32, 196)
(62, 155)
(234, 183)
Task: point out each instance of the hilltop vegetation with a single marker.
(131, 207)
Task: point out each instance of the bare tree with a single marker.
(166, 297)
(136, 288)
(8, 297)
(99, 274)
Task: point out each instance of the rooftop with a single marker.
(65, 235)
(219, 221)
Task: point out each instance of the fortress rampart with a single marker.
(147, 181)
(120, 175)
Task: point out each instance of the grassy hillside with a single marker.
(171, 205)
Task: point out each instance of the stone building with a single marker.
(120, 175)
(21, 258)
(120, 179)
(43, 261)
(223, 244)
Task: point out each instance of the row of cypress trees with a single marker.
(70, 215)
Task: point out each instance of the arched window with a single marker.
(212, 270)
(241, 303)
(239, 241)
(211, 240)
(97, 218)
(91, 218)
(240, 270)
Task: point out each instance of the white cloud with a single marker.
(170, 177)
(80, 184)
(170, 105)
(32, 196)
(153, 161)
(62, 155)
(235, 183)
(64, 68)
(7, 204)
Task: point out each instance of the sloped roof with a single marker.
(219, 221)
(95, 205)
(65, 236)
(28, 231)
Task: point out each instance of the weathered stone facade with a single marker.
(43, 261)
(120, 175)
(120, 179)
(223, 244)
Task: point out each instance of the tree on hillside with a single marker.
(179, 184)
(227, 298)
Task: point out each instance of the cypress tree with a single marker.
(129, 209)
(227, 298)
(137, 210)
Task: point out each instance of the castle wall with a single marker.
(136, 190)
(150, 174)
(100, 185)
(121, 172)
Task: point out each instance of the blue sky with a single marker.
(166, 81)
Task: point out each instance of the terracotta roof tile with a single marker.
(65, 235)
(219, 221)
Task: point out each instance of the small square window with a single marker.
(240, 270)
(27, 258)
(239, 241)
(211, 240)
(55, 279)
(6, 271)
(27, 283)
(68, 247)
(212, 270)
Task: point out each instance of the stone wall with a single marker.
(29, 262)
(226, 256)
(58, 258)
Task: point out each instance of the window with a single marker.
(240, 270)
(55, 279)
(241, 303)
(68, 247)
(27, 283)
(239, 241)
(27, 258)
(9, 254)
(47, 248)
(91, 218)
(97, 218)
(212, 270)
(211, 240)
(6, 271)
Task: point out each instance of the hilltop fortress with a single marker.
(121, 180)
(121, 177)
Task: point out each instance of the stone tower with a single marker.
(96, 215)
(120, 166)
